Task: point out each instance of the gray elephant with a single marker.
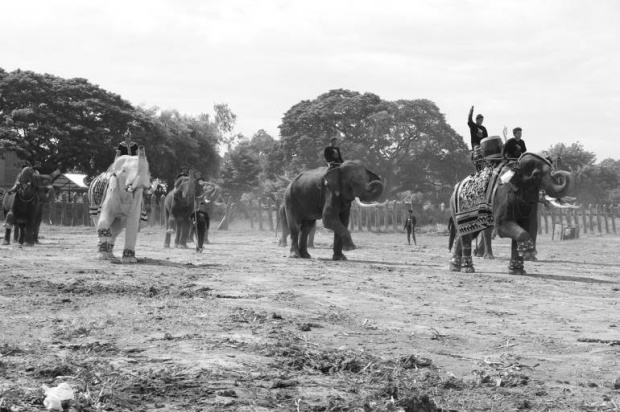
(31, 191)
(179, 204)
(507, 199)
(327, 194)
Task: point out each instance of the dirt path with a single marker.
(244, 328)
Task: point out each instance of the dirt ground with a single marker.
(242, 327)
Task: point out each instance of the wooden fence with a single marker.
(595, 219)
(387, 217)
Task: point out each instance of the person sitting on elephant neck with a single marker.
(127, 147)
(515, 146)
(184, 171)
(477, 132)
(332, 154)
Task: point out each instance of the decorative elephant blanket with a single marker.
(473, 200)
(96, 193)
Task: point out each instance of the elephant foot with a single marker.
(199, 250)
(518, 272)
(294, 255)
(478, 254)
(467, 265)
(350, 247)
(29, 244)
(339, 257)
(107, 256)
(281, 243)
(488, 256)
(129, 260)
(180, 246)
(454, 268)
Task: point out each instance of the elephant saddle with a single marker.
(96, 193)
(473, 200)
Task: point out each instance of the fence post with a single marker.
(394, 215)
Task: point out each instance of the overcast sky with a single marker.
(551, 67)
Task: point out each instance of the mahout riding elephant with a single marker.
(327, 194)
(121, 207)
(179, 204)
(507, 200)
(32, 190)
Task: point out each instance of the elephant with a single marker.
(32, 190)
(509, 202)
(327, 194)
(121, 208)
(179, 204)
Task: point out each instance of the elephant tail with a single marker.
(452, 230)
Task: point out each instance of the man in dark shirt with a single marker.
(332, 154)
(201, 221)
(410, 226)
(515, 146)
(127, 147)
(477, 132)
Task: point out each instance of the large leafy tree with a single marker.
(240, 170)
(62, 122)
(407, 142)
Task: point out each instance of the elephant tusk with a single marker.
(374, 204)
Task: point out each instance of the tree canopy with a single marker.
(73, 124)
(407, 142)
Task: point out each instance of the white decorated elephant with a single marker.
(122, 205)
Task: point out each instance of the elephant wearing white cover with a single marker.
(122, 205)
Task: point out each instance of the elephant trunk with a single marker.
(558, 184)
(372, 191)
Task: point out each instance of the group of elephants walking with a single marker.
(503, 196)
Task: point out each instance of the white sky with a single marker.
(549, 66)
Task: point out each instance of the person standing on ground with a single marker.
(477, 132)
(410, 227)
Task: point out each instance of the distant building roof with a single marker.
(70, 181)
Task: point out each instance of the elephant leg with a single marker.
(486, 241)
(311, 236)
(467, 263)
(306, 227)
(132, 226)
(170, 229)
(294, 229)
(338, 223)
(457, 252)
(22, 233)
(522, 244)
(7, 236)
(515, 266)
(106, 237)
(338, 246)
(533, 231)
